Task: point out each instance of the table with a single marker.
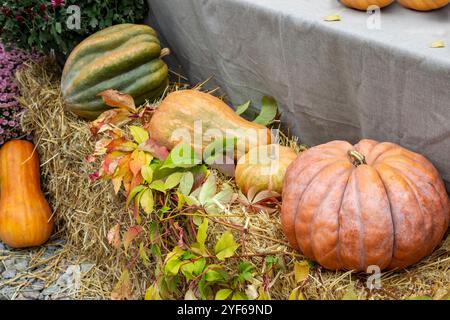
(333, 80)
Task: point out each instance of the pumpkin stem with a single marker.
(358, 158)
(164, 52)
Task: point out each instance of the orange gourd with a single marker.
(198, 119)
(25, 216)
(424, 5)
(365, 4)
(350, 207)
(263, 168)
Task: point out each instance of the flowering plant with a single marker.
(10, 61)
(52, 24)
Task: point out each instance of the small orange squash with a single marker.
(264, 168)
(350, 207)
(424, 5)
(198, 118)
(25, 216)
(365, 4)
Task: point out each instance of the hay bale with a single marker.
(85, 211)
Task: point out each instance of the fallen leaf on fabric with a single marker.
(333, 17)
(438, 44)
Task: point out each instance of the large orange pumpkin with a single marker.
(349, 207)
(365, 4)
(424, 5)
(264, 168)
(25, 216)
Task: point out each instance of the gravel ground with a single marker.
(40, 273)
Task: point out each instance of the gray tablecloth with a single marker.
(333, 80)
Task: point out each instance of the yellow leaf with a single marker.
(139, 134)
(117, 183)
(263, 294)
(333, 17)
(296, 295)
(350, 294)
(438, 44)
(152, 293)
(147, 201)
(301, 271)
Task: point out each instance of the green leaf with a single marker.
(172, 266)
(147, 201)
(147, 173)
(269, 109)
(139, 134)
(197, 220)
(223, 294)
(218, 148)
(213, 276)
(133, 193)
(143, 255)
(188, 271)
(202, 232)
(199, 266)
(153, 231)
(182, 156)
(239, 296)
(186, 183)
(173, 180)
(243, 107)
(158, 185)
(208, 190)
(225, 246)
(156, 251)
(58, 27)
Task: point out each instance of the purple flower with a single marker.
(57, 3)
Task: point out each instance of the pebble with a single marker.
(7, 292)
(54, 288)
(9, 274)
(32, 295)
(18, 264)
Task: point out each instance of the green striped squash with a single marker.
(124, 57)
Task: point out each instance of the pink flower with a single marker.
(57, 3)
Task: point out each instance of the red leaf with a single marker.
(114, 98)
(121, 144)
(114, 236)
(94, 176)
(116, 117)
(156, 150)
(130, 235)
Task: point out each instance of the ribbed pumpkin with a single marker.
(424, 5)
(365, 4)
(198, 119)
(263, 168)
(25, 216)
(124, 57)
(349, 207)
